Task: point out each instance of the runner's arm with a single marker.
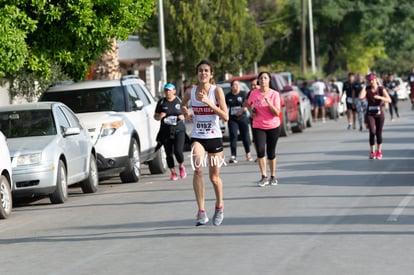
(363, 93)
(221, 110)
(184, 103)
(385, 97)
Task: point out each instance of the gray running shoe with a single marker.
(273, 181)
(202, 218)
(218, 216)
(263, 182)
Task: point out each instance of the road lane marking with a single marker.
(400, 208)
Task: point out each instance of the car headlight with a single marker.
(108, 129)
(28, 159)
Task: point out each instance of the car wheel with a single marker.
(132, 172)
(284, 131)
(6, 201)
(158, 165)
(60, 195)
(90, 184)
(299, 122)
(309, 122)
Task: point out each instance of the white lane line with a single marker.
(400, 208)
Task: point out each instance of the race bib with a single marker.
(170, 120)
(374, 110)
(203, 127)
(391, 92)
(234, 110)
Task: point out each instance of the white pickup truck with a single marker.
(5, 179)
(119, 117)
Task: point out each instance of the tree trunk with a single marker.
(107, 66)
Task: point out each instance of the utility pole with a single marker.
(312, 43)
(162, 46)
(303, 61)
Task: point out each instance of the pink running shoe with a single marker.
(183, 174)
(378, 155)
(372, 155)
(173, 176)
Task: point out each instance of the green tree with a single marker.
(398, 38)
(38, 33)
(15, 26)
(219, 30)
(348, 34)
(275, 18)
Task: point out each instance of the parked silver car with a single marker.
(305, 108)
(50, 150)
(6, 201)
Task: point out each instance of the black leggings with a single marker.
(266, 140)
(241, 126)
(375, 125)
(175, 147)
(394, 105)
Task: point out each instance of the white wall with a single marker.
(4, 96)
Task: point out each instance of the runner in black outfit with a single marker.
(392, 86)
(238, 121)
(350, 104)
(411, 84)
(172, 129)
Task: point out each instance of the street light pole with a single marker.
(303, 60)
(312, 43)
(162, 45)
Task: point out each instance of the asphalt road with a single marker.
(333, 212)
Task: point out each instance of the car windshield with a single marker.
(90, 100)
(226, 88)
(27, 123)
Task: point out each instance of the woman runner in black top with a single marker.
(172, 129)
(238, 121)
(392, 86)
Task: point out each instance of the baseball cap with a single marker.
(371, 76)
(169, 86)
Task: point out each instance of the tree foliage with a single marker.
(398, 38)
(220, 30)
(349, 35)
(15, 26)
(35, 34)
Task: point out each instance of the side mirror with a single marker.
(71, 131)
(138, 105)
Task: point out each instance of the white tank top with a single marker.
(206, 122)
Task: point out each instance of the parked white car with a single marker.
(402, 92)
(50, 150)
(6, 201)
(119, 117)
